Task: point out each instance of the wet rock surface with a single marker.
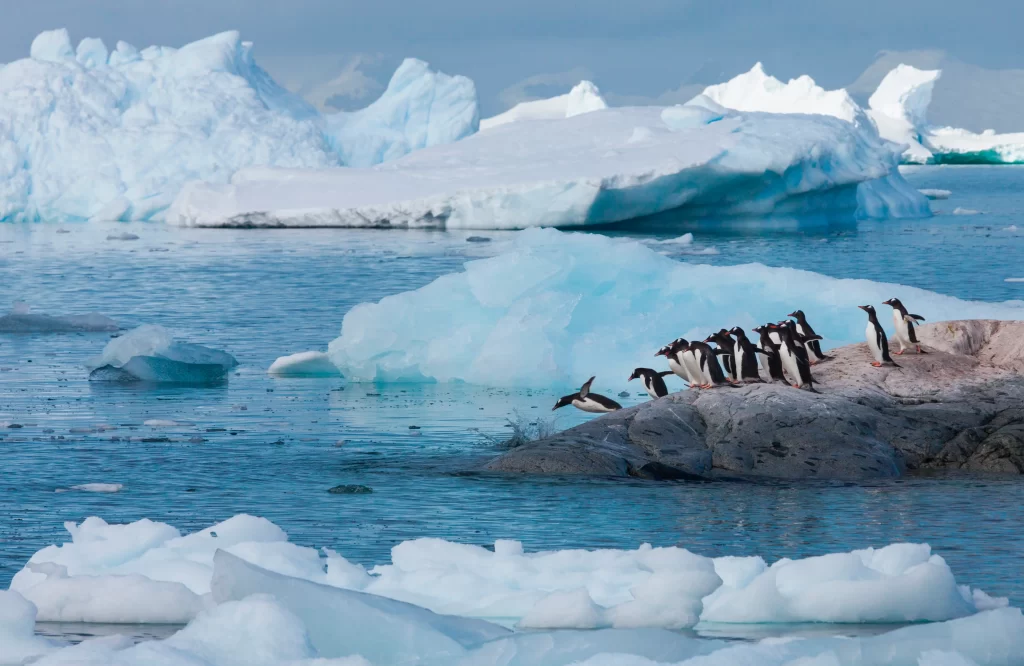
(958, 407)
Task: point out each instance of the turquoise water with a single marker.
(273, 447)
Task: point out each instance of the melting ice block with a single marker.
(560, 307)
(304, 364)
(150, 354)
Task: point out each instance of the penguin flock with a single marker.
(785, 352)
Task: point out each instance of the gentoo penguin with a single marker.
(800, 342)
(727, 350)
(905, 326)
(746, 356)
(878, 343)
(794, 359)
(771, 361)
(709, 367)
(804, 329)
(682, 361)
(587, 401)
(653, 381)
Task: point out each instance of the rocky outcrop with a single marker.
(961, 406)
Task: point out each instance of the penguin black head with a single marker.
(564, 401)
(799, 314)
(870, 309)
(641, 372)
(894, 302)
(737, 331)
(664, 351)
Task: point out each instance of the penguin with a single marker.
(804, 329)
(878, 343)
(769, 357)
(709, 366)
(727, 350)
(653, 381)
(682, 361)
(794, 358)
(800, 342)
(746, 356)
(905, 326)
(587, 401)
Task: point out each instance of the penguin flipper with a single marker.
(911, 317)
(585, 389)
(666, 373)
(810, 338)
(911, 333)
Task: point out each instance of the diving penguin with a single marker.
(804, 329)
(587, 401)
(878, 343)
(653, 381)
(771, 361)
(905, 326)
(746, 356)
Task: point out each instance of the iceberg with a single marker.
(594, 168)
(150, 353)
(22, 320)
(583, 98)
(456, 595)
(90, 133)
(559, 307)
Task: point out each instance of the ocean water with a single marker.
(273, 447)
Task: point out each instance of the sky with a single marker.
(637, 52)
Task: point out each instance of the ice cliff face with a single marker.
(89, 133)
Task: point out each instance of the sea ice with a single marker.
(21, 320)
(583, 98)
(304, 364)
(559, 307)
(936, 194)
(92, 135)
(150, 353)
(95, 488)
(18, 642)
(596, 168)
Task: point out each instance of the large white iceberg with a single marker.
(594, 168)
(91, 134)
(150, 353)
(583, 98)
(560, 307)
(146, 572)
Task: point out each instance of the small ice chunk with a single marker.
(150, 353)
(935, 194)
(162, 423)
(21, 320)
(304, 364)
(95, 488)
(18, 642)
(123, 236)
(965, 211)
(1012, 228)
(1014, 280)
(52, 46)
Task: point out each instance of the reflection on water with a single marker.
(273, 447)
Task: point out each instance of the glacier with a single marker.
(150, 353)
(594, 168)
(90, 133)
(262, 600)
(583, 98)
(558, 307)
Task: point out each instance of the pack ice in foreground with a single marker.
(599, 167)
(151, 354)
(559, 307)
(89, 133)
(254, 598)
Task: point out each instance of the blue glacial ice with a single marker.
(559, 307)
(600, 167)
(262, 600)
(151, 354)
(89, 133)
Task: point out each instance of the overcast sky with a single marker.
(633, 50)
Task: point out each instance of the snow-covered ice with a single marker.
(22, 320)
(114, 135)
(583, 98)
(559, 307)
(304, 364)
(150, 353)
(117, 573)
(935, 193)
(95, 488)
(594, 168)
(18, 642)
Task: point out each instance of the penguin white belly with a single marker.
(776, 338)
(790, 365)
(739, 362)
(763, 360)
(677, 369)
(706, 370)
(902, 330)
(869, 333)
(648, 384)
(693, 370)
(592, 406)
(800, 329)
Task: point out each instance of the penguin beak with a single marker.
(888, 302)
(631, 377)
(791, 314)
(863, 307)
(661, 352)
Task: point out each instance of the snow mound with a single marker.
(147, 572)
(304, 364)
(115, 135)
(151, 354)
(21, 320)
(420, 108)
(757, 91)
(594, 168)
(560, 307)
(583, 98)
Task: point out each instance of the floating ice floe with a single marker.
(304, 364)
(21, 320)
(583, 98)
(559, 307)
(595, 168)
(94, 488)
(965, 211)
(936, 194)
(151, 354)
(92, 134)
(119, 573)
